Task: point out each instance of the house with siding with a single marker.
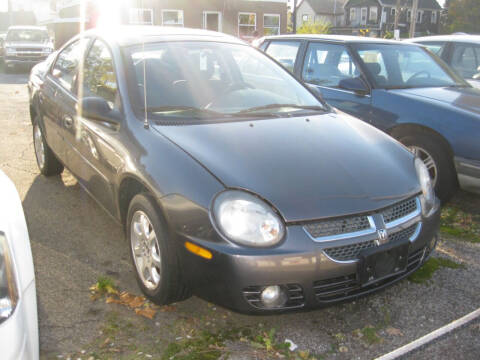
(378, 16)
(324, 11)
(243, 18)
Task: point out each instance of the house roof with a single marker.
(330, 7)
(422, 4)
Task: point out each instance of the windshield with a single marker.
(27, 36)
(214, 80)
(403, 66)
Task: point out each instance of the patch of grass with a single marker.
(426, 272)
(104, 284)
(370, 335)
(460, 224)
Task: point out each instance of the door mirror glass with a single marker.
(354, 84)
(97, 108)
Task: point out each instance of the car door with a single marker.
(57, 94)
(324, 66)
(92, 157)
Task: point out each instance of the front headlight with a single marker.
(8, 285)
(245, 219)
(426, 185)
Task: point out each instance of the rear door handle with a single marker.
(68, 121)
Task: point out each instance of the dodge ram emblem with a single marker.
(382, 237)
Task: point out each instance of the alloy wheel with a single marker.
(39, 146)
(145, 250)
(428, 160)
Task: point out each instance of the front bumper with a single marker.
(468, 172)
(235, 276)
(14, 60)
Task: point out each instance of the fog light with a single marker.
(273, 297)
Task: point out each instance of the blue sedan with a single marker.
(402, 89)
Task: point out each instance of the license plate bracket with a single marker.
(381, 262)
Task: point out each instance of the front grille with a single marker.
(296, 298)
(29, 50)
(348, 252)
(403, 234)
(399, 210)
(344, 287)
(338, 226)
(351, 252)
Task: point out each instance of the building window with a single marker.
(392, 11)
(433, 18)
(172, 17)
(409, 15)
(247, 24)
(140, 16)
(305, 18)
(271, 24)
(420, 16)
(353, 14)
(363, 17)
(373, 14)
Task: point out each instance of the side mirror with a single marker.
(354, 84)
(97, 108)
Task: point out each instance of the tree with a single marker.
(314, 28)
(463, 16)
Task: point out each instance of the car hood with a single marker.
(462, 98)
(326, 165)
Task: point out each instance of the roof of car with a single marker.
(133, 35)
(335, 38)
(27, 27)
(452, 38)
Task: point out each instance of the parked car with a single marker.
(461, 52)
(26, 45)
(232, 179)
(401, 89)
(18, 299)
(2, 46)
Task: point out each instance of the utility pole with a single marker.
(397, 14)
(10, 13)
(413, 18)
(294, 16)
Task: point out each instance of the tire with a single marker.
(160, 281)
(48, 164)
(446, 182)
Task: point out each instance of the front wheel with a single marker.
(438, 162)
(47, 163)
(153, 253)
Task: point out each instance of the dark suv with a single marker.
(402, 89)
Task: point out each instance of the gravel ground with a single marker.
(74, 243)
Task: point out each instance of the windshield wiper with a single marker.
(279, 106)
(175, 109)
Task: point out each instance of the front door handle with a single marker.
(68, 121)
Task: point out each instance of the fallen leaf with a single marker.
(393, 331)
(147, 312)
(343, 349)
(112, 300)
(168, 308)
(136, 302)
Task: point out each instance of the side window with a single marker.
(99, 75)
(285, 52)
(465, 60)
(328, 64)
(375, 65)
(66, 66)
(435, 47)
